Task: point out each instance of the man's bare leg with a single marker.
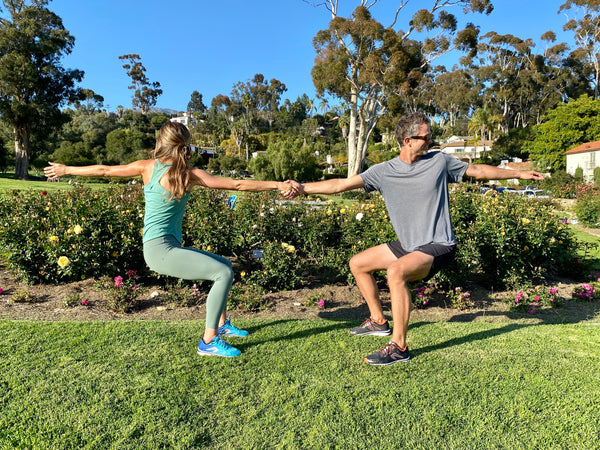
(362, 266)
(412, 267)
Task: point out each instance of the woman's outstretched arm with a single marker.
(203, 178)
(134, 169)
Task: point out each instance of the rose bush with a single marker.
(70, 235)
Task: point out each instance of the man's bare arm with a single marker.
(333, 186)
(487, 172)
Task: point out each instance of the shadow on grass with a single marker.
(571, 312)
(301, 334)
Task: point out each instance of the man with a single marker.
(415, 190)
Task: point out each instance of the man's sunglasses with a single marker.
(426, 139)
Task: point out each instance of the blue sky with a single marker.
(208, 46)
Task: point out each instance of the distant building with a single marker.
(185, 119)
(586, 156)
(465, 149)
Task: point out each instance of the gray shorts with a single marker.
(442, 255)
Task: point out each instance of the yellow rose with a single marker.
(329, 212)
(77, 229)
(243, 274)
(342, 211)
(53, 238)
(63, 261)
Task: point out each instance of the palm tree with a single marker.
(482, 122)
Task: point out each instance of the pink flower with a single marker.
(84, 302)
(425, 302)
(420, 295)
(467, 294)
(1, 291)
(195, 289)
(553, 291)
(321, 303)
(457, 289)
(536, 299)
(118, 281)
(135, 286)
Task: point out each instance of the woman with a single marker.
(168, 180)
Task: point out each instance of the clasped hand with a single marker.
(292, 189)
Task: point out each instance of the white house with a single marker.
(586, 156)
(466, 150)
(186, 119)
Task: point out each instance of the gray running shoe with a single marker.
(390, 354)
(370, 328)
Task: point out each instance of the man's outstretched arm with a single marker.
(333, 186)
(487, 172)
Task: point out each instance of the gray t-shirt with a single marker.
(416, 196)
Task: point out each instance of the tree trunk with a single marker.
(353, 157)
(21, 153)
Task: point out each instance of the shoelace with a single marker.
(389, 347)
(221, 343)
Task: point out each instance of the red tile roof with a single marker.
(587, 147)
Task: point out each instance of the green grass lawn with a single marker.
(8, 183)
(299, 384)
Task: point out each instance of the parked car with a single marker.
(506, 190)
(537, 193)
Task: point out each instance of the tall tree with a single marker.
(257, 100)
(145, 93)
(33, 84)
(196, 105)
(586, 31)
(363, 63)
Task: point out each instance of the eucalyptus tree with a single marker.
(146, 92)
(522, 83)
(258, 101)
(33, 84)
(363, 63)
(586, 30)
(454, 94)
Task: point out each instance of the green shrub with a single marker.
(66, 236)
(279, 268)
(508, 238)
(70, 235)
(587, 208)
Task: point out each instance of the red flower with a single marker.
(44, 193)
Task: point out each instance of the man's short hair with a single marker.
(408, 126)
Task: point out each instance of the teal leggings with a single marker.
(166, 256)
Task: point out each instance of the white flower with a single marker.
(359, 216)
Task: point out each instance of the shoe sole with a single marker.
(203, 353)
(372, 333)
(366, 361)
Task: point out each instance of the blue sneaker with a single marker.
(231, 330)
(217, 347)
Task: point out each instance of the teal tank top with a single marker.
(162, 216)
